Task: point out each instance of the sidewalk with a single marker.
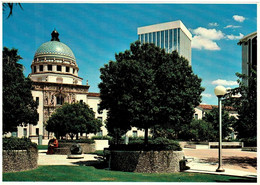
(197, 166)
(62, 159)
(235, 162)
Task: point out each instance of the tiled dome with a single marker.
(55, 48)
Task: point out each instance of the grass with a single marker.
(98, 152)
(91, 174)
(42, 147)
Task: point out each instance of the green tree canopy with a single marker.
(199, 130)
(246, 106)
(73, 119)
(19, 108)
(145, 87)
(212, 118)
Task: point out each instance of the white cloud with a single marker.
(233, 37)
(231, 26)
(239, 18)
(213, 24)
(200, 42)
(211, 34)
(206, 95)
(224, 82)
(204, 38)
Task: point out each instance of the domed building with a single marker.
(54, 73)
(55, 62)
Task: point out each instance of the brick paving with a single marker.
(233, 159)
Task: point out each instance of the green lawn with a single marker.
(42, 147)
(91, 174)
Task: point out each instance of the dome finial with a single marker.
(55, 36)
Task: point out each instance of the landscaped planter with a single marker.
(146, 161)
(64, 148)
(20, 160)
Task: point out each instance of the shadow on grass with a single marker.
(240, 180)
(94, 163)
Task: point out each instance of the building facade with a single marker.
(54, 73)
(170, 36)
(249, 53)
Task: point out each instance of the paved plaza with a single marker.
(235, 161)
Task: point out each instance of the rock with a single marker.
(76, 149)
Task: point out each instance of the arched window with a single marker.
(59, 100)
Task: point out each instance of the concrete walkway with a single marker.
(235, 162)
(196, 164)
(62, 159)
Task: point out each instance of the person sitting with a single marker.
(53, 143)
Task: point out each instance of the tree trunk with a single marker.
(146, 136)
(77, 136)
(71, 136)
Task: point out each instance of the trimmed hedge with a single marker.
(14, 143)
(88, 141)
(250, 142)
(158, 144)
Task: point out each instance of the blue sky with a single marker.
(95, 32)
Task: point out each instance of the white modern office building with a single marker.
(170, 36)
(249, 53)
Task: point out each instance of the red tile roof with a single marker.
(210, 107)
(94, 94)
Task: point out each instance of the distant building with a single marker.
(170, 36)
(249, 53)
(202, 109)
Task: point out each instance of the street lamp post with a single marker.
(220, 91)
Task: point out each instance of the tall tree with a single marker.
(19, 108)
(246, 105)
(73, 119)
(146, 87)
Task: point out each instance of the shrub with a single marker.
(157, 144)
(14, 143)
(88, 141)
(250, 142)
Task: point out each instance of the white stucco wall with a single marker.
(40, 111)
(67, 79)
(81, 97)
(93, 104)
(199, 112)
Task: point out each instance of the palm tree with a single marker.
(11, 57)
(10, 7)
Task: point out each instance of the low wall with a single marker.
(101, 144)
(20, 160)
(146, 161)
(249, 149)
(209, 145)
(226, 144)
(64, 148)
